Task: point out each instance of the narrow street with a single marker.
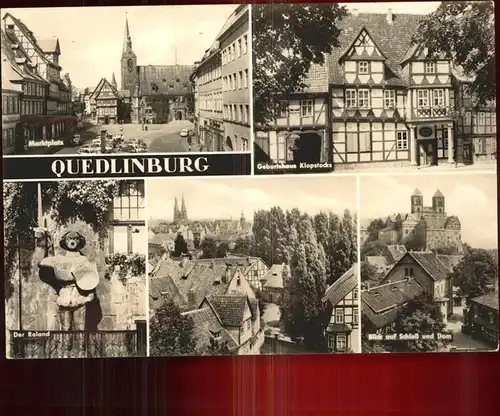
(460, 340)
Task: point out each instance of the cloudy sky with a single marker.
(91, 38)
(215, 198)
(473, 198)
(415, 7)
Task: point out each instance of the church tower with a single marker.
(176, 211)
(438, 202)
(128, 62)
(417, 202)
(243, 222)
(184, 215)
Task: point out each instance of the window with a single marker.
(341, 343)
(402, 140)
(306, 108)
(339, 315)
(245, 79)
(365, 142)
(422, 98)
(248, 325)
(238, 48)
(363, 98)
(352, 142)
(430, 67)
(283, 109)
(355, 315)
(363, 67)
(350, 99)
(438, 98)
(355, 294)
(240, 80)
(244, 148)
(331, 342)
(129, 204)
(389, 99)
(408, 271)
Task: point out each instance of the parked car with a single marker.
(127, 148)
(141, 147)
(86, 149)
(184, 133)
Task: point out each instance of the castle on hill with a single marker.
(425, 227)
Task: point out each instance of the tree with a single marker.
(475, 273)
(369, 272)
(217, 348)
(373, 228)
(222, 250)
(465, 32)
(180, 246)
(372, 248)
(420, 315)
(171, 333)
(243, 246)
(287, 39)
(209, 248)
(446, 250)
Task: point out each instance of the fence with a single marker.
(80, 344)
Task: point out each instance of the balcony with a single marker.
(432, 113)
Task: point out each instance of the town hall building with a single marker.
(380, 100)
(160, 93)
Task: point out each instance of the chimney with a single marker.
(192, 299)
(103, 141)
(390, 17)
(184, 260)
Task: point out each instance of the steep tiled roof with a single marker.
(396, 252)
(229, 308)
(344, 285)
(274, 276)
(431, 264)
(165, 79)
(380, 303)
(417, 192)
(450, 261)
(205, 324)
(490, 300)
(393, 40)
(200, 278)
(453, 223)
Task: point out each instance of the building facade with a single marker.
(390, 104)
(46, 112)
(424, 228)
(342, 333)
(107, 103)
(235, 51)
(159, 93)
(222, 84)
(481, 318)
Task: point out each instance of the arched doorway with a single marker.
(178, 116)
(229, 144)
(308, 148)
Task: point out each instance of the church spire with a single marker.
(113, 81)
(183, 209)
(176, 211)
(127, 40)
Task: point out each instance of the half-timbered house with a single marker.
(107, 102)
(342, 333)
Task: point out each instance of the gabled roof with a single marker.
(380, 304)
(230, 308)
(352, 44)
(102, 83)
(274, 276)
(392, 39)
(205, 322)
(343, 286)
(396, 252)
(490, 300)
(50, 45)
(430, 262)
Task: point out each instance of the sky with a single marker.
(91, 38)
(472, 198)
(415, 7)
(224, 198)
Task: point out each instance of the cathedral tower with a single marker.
(176, 211)
(438, 202)
(243, 222)
(128, 62)
(417, 202)
(184, 215)
(113, 82)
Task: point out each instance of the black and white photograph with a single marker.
(144, 79)
(75, 269)
(253, 266)
(374, 87)
(429, 263)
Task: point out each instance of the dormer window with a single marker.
(363, 67)
(430, 67)
(164, 295)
